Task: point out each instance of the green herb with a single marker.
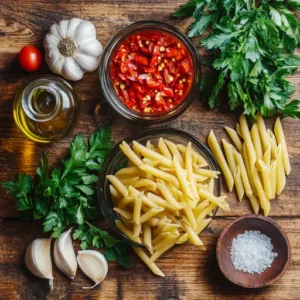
(66, 196)
(253, 43)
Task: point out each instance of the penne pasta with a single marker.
(216, 150)
(280, 173)
(273, 143)
(150, 213)
(273, 175)
(160, 174)
(127, 232)
(228, 149)
(255, 137)
(265, 140)
(147, 237)
(120, 187)
(137, 208)
(281, 140)
(265, 172)
(207, 173)
(235, 138)
(267, 156)
(158, 253)
(130, 154)
(174, 151)
(192, 235)
(190, 172)
(238, 183)
(128, 180)
(219, 201)
(130, 172)
(164, 149)
(165, 161)
(152, 266)
(248, 141)
(240, 162)
(124, 213)
(184, 185)
(254, 203)
(264, 202)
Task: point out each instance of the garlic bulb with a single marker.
(38, 259)
(72, 48)
(64, 254)
(93, 264)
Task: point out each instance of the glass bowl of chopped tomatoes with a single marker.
(150, 72)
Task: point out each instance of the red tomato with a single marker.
(30, 58)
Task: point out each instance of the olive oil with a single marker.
(46, 109)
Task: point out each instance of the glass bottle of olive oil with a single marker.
(46, 109)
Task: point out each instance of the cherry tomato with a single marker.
(30, 58)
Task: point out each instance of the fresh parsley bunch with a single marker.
(66, 196)
(253, 43)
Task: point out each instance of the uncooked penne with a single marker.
(216, 150)
(130, 154)
(164, 149)
(152, 266)
(189, 168)
(235, 138)
(280, 173)
(137, 208)
(240, 162)
(130, 172)
(265, 172)
(255, 137)
(228, 149)
(248, 141)
(184, 185)
(254, 203)
(165, 161)
(265, 140)
(264, 202)
(267, 156)
(273, 175)
(150, 213)
(273, 143)
(238, 183)
(121, 188)
(174, 151)
(219, 201)
(147, 237)
(281, 140)
(160, 174)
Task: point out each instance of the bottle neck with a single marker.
(41, 103)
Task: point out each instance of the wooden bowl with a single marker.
(280, 243)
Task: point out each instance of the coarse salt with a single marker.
(251, 252)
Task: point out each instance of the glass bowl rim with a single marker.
(113, 99)
(149, 132)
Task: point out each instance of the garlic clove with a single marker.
(93, 264)
(63, 28)
(93, 48)
(38, 259)
(85, 32)
(64, 254)
(73, 24)
(71, 70)
(86, 62)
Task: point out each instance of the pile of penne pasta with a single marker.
(163, 197)
(256, 164)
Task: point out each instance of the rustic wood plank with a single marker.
(191, 274)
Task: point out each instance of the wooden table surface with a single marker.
(190, 273)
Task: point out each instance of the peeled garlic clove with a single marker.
(64, 254)
(38, 259)
(93, 264)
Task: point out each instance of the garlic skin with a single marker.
(72, 48)
(38, 259)
(64, 254)
(93, 264)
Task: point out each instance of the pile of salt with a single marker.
(251, 252)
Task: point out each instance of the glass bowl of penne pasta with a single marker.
(160, 188)
(143, 164)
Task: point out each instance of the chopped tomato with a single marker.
(151, 71)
